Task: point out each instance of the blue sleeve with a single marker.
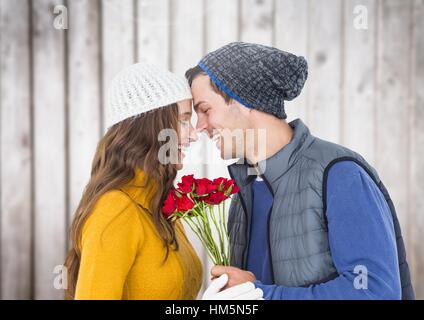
(362, 242)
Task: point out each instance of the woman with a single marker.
(123, 247)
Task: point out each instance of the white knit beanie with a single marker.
(143, 87)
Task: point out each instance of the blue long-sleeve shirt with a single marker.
(361, 234)
(258, 257)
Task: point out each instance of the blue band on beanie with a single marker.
(222, 87)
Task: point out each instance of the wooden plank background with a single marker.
(365, 90)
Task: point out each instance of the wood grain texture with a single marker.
(416, 122)
(358, 130)
(84, 95)
(257, 21)
(118, 41)
(153, 30)
(392, 145)
(49, 147)
(15, 146)
(325, 80)
(291, 34)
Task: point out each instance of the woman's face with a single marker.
(187, 133)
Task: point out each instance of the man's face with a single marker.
(225, 123)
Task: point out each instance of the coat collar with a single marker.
(275, 166)
(141, 189)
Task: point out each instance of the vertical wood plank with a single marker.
(392, 145)
(416, 224)
(358, 127)
(187, 34)
(118, 40)
(187, 46)
(257, 21)
(49, 144)
(325, 69)
(291, 34)
(222, 26)
(153, 32)
(84, 95)
(15, 134)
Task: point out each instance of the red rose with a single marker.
(215, 198)
(170, 204)
(218, 183)
(186, 184)
(185, 203)
(230, 187)
(235, 189)
(202, 186)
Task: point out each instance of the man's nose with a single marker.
(200, 125)
(204, 129)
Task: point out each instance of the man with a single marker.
(315, 221)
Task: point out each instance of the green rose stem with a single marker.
(224, 223)
(218, 229)
(213, 220)
(207, 232)
(208, 227)
(200, 234)
(200, 220)
(208, 251)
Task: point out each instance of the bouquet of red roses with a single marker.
(195, 201)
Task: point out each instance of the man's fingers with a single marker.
(235, 291)
(216, 271)
(251, 295)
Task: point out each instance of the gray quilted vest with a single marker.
(298, 235)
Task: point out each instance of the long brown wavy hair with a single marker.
(130, 144)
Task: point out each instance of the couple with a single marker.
(313, 221)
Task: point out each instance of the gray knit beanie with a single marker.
(257, 76)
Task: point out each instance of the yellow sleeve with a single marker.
(110, 240)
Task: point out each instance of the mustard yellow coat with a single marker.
(122, 254)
